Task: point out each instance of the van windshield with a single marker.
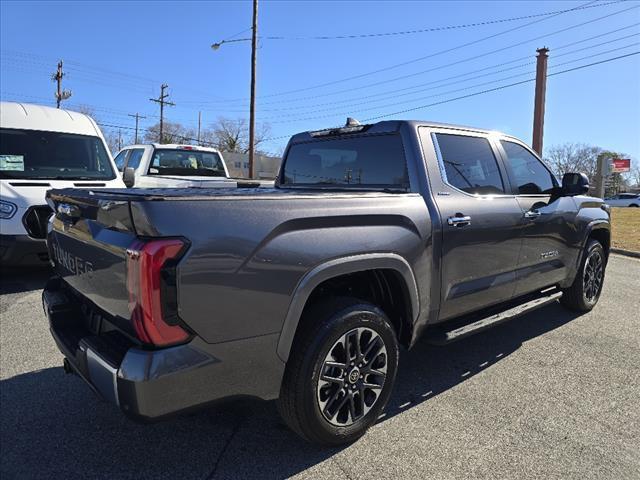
(44, 155)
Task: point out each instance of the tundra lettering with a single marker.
(373, 237)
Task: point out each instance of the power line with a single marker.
(162, 101)
(501, 87)
(438, 94)
(482, 92)
(431, 55)
(429, 70)
(420, 88)
(491, 82)
(436, 29)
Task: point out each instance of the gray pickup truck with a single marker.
(374, 236)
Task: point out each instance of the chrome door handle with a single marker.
(532, 214)
(461, 221)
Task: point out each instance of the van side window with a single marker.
(531, 176)
(119, 160)
(469, 164)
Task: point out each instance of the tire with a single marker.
(584, 292)
(308, 401)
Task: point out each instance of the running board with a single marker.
(440, 336)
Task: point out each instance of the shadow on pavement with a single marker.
(16, 280)
(53, 426)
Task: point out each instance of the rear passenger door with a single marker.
(550, 239)
(480, 221)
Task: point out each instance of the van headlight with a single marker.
(7, 209)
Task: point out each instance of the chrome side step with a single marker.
(441, 336)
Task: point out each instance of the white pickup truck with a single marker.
(175, 166)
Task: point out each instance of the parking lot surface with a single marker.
(549, 395)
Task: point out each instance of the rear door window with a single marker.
(469, 164)
(530, 174)
(134, 157)
(375, 161)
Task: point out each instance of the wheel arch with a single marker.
(340, 268)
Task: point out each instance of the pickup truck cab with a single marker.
(374, 236)
(173, 166)
(43, 148)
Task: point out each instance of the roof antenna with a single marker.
(352, 122)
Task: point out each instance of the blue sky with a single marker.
(118, 53)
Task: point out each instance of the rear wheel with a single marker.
(340, 372)
(585, 291)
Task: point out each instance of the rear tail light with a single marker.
(151, 281)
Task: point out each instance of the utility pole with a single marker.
(161, 100)
(541, 91)
(119, 140)
(199, 123)
(137, 116)
(60, 93)
(252, 105)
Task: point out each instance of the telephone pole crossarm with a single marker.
(162, 101)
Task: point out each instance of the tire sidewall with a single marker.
(359, 315)
(593, 246)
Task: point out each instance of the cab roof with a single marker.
(385, 126)
(28, 116)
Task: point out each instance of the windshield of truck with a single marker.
(374, 161)
(36, 154)
(186, 163)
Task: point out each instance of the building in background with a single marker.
(265, 167)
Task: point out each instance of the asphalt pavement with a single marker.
(549, 395)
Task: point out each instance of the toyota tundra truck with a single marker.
(373, 236)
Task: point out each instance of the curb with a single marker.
(626, 253)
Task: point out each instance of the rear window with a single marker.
(355, 162)
(53, 156)
(187, 163)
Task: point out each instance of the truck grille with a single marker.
(36, 219)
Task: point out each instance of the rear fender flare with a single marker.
(334, 268)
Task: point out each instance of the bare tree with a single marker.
(232, 135)
(172, 133)
(573, 157)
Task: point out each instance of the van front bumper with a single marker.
(150, 384)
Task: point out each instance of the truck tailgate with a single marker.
(88, 239)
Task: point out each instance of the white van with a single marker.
(43, 148)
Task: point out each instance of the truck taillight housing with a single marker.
(151, 282)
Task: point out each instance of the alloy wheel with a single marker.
(592, 276)
(352, 376)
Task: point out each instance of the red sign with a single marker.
(619, 165)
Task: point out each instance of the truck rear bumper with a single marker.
(150, 384)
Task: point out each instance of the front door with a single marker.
(480, 223)
(550, 240)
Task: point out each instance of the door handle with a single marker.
(532, 214)
(459, 221)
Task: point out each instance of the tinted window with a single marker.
(469, 164)
(135, 157)
(53, 155)
(373, 161)
(120, 158)
(530, 174)
(186, 162)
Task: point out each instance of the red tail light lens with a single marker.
(152, 294)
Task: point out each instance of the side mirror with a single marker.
(129, 177)
(574, 184)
